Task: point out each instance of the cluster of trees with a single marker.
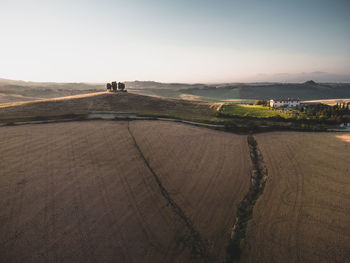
(337, 113)
(262, 102)
(114, 86)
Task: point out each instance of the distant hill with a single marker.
(158, 85)
(305, 91)
(317, 76)
(310, 82)
(309, 90)
(12, 90)
(18, 90)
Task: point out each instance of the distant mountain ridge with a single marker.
(317, 76)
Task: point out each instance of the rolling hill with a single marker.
(12, 91)
(303, 91)
(103, 101)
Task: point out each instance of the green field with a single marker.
(256, 111)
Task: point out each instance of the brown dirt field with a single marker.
(103, 101)
(304, 212)
(80, 191)
(207, 173)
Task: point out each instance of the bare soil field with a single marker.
(85, 192)
(206, 172)
(304, 212)
(103, 101)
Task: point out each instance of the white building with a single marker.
(287, 103)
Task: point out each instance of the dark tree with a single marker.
(114, 85)
(108, 86)
(121, 86)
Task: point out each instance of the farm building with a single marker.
(286, 103)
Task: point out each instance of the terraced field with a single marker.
(304, 212)
(104, 191)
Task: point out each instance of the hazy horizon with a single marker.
(184, 41)
(319, 77)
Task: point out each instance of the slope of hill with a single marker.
(304, 212)
(102, 101)
(14, 90)
(103, 191)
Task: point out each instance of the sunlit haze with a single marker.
(172, 41)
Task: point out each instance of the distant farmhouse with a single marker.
(115, 87)
(286, 103)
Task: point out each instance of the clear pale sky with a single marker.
(172, 40)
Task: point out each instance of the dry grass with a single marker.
(11, 98)
(304, 213)
(102, 101)
(80, 192)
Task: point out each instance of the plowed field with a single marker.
(84, 192)
(304, 212)
(205, 171)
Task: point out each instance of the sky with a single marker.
(173, 40)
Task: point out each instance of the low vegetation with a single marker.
(245, 208)
(338, 113)
(309, 114)
(255, 111)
